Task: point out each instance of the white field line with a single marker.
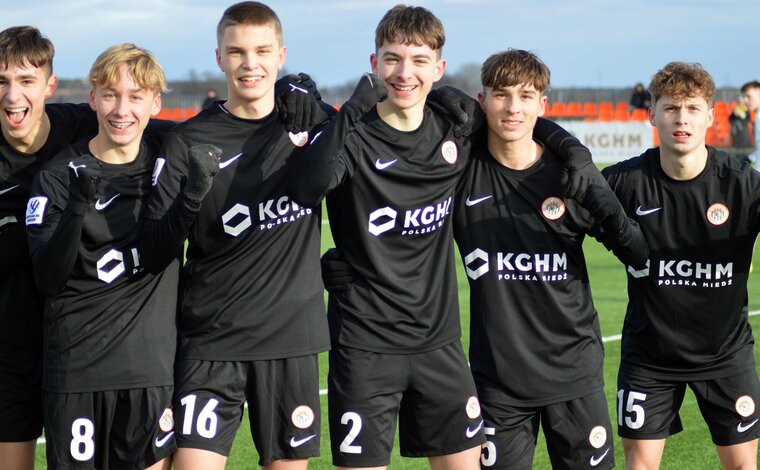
(605, 339)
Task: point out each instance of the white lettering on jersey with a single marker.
(694, 274)
(34, 210)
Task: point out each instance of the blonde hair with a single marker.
(681, 80)
(141, 64)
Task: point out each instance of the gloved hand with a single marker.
(461, 106)
(203, 165)
(83, 182)
(298, 102)
(368, 92)
(579, 170)
(337, 274)
(605, 208)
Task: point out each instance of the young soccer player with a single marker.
(31, 133)
(686, 322)
(252, 316)
(109, 326)
(535, 346)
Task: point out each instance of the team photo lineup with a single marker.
(165, 287)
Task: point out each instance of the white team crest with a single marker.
(472, 408)
(166, 422)
(34, 210)
(302, 417)
(597, 437)
(717, 214)
(553, 208)
(745, 406)
(300, 139)
(449, 151)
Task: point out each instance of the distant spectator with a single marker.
(740, 121)
(210, 98)
(640, 98)
(751, 99)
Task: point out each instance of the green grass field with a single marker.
(692, 449)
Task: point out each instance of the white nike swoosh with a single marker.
(471, 432)
(300, 442)
(640, 211)
(743, 428)
(471, 202)
(594, 461)
(163, 440)
(383, 165)
(102, 205)
(8, 189)
(227, 162)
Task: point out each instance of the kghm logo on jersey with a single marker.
(553, 208)
(417, 221)
(597, 437)
(302, 417)
(717, 214)
(745, 406)
(694, 274)
(544, 267)
(271, 213)
(449, 152)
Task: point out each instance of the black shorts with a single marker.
(432, 393)
(648, 408)
(20, 393)
(120, 429)
(578, 434)
(283, 405)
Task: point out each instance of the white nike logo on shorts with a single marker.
(741, 427)
(8, 189)
(229, 161)
(471, 432)
(383, 165)
(102, 205)
(161, 442)
(640, 211)
(471, 202)
(300, 442)
(594, 461)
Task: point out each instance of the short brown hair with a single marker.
(410, 25)
(681, 80)
(23, 46)
(142, 65)
(747, 86)
(514, 67)
(251, 14)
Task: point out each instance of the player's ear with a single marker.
(542, 104)
(651, 116)
(440, 66)
(373, 63)
(156, 108)
(482, 100)
(219, 59)
(52, 85)
(92, 99)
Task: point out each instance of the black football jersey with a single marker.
(113, 325)
(20, 303)
(252, 288)
(687, 310)
(534, 332)
(390, 217)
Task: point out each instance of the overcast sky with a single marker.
(584, 42)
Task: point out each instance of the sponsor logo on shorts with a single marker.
(553, 208)
(472, 408)
(302, 417)
(741, 427)
(470, 433)
(166, 422)
(449, 151)
(299, 442)
(162, 441)
(597, 437)
(717, 214)
(745, 406)
(300, 139)
(594, 460)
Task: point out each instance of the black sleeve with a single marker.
(162, 241)
(628, 245)
(13, 247)
(560, 141)
(54, 261)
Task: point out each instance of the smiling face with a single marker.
(23, 91)
(512, 111)
(681, 123)
(123, 109)
(250, 57)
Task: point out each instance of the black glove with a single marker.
(203, 165)
(605, 208)
(337, 274)
(298, 102)
(461, 106)
(83, 182)
(368, 92)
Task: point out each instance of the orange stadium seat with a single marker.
(590, 110)
(620, 114)
(558, 109)
(639, 114)
(573, 109)
(621, 106)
